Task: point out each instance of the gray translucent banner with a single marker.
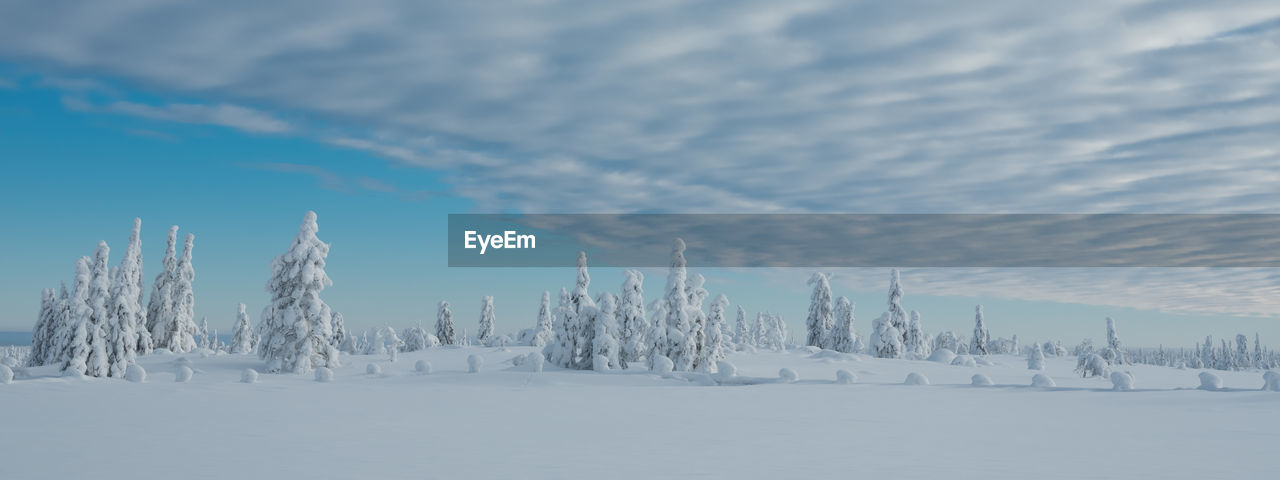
(860, 240)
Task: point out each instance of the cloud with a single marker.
(232, 116)
(330, 180)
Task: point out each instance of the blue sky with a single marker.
(384, 117)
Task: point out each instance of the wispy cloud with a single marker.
(330, 180)
(223, 115)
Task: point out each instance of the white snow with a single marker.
(964, 361)
(182, 374)
(943, 356)
(787, 375)
(474, 363)
(1271, 381)
(372, 369)
(1121, 381)
(845, 377)
(1042, 381)
(6, 375)
(1209, 381)
(980, 380)
(528, 423)
(249, 375)
(324, 375)
(915, 378)
(135, 374)
(725, 370)
(423, 367)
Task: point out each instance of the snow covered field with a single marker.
(508, 422)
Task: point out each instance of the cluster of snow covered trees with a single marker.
(612, 331)
(99, 327)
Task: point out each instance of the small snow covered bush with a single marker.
(474, 362)
(1092, 365)
(1121, 381)
(183, 374)
(1209, 381)
(422, 367)
(964, 361)
(135, 373)
(943, 356)
(601, 363)
(662, 364)
(249, 375)
(324, 375)
(6, 375)
(980, 380)
(372, 369)
(845, 377)
(1035, 358)
(1271, 381)
(788, 375)
(914, 378)
(725, 370)
(535, 361)
(1043, 381)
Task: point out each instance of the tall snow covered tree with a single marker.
(444, 324)
(581, 318)
(760, 330)
(339, 330)
(203, 339)
(885, 340)
(42, 334)
(160, 307)
(656, 338)
(242, 336)
(631, 316)
(741, 332)
(296, 323)
(843, 338)
(126, 297)
(543, 330)
(712, 350)
(484, 334)
(605, 343)
(181, 330)
(981, 342)
(681, 348)
(74, 336)
(559, 351)
(1114, 353)
(1035, 358)
(697, 319)
(917, 344)
(821, 319)
(99, 362)
(897, 316)
(777, 336)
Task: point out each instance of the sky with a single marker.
(385, 116)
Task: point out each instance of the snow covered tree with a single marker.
(947, 340)
(843, 337)
(1113, 354)
(1035, 358)
(581, 317)
(560, 350)
(43, 333)
(712, 349)
(697, 319)
(296, 333)
(484, 334)
(203, 339)
(760, 330)
(681, 347)
(916, 345)
(543, 331)
(604, 343)
(885, 340)
(242, 335)
(741, 332)
(101, 328)
(417, 338)
(339, 329)
(74, 336)
(444, 324)
(631, 315)
(160, 307)
(777, 336)
(1242, 352)
(897, 316)
(821, 319)
(128, 335)
(181, 328)
(981, 342)
(656, 338)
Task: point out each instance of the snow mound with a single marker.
(662, 364)
(1121, 381)
(832, 355)
(984, 361)
(422, 367)
(1043, 381)
(845, 377)
(181, 362)
(474, 362)
(72, 373)
(914, 378)
(324, 375)
(535, 361)
(964, 361)
(943, 356)
(788, 375)
(725, 370)
(6, 375)
(980, 380)
(249, 375)
(810, 349)
(601, 363)
(183, 374)
(135, 373)
(1271, 381)
(372, 369)
(1209, 381)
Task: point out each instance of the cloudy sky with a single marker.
(383, 116)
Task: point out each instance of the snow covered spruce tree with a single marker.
(981, 342)
(160, 306)
(656, 338)
(680, 347)
(604, 343)
(180, 328)
(444, 324)
(484, 334)
(1035, 358)
(543, 330)
(631, 317)
(101, 328)
(760, 330)
(886, 342)
(128, 335)
(917, 343)
(843, 337)
(339, 330)
(697, 318)
(741, 332)
(203, 339)
(821, 320)
(575, 329)
(712, 350)
(1113, 354)
(296, 331)
(73, 339)
(777, 336)
(559, 350)
(43, 333)
(242, 337)
(897, 316)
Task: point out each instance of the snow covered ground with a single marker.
(507, 422)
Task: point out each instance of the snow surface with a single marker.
(506, 422)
